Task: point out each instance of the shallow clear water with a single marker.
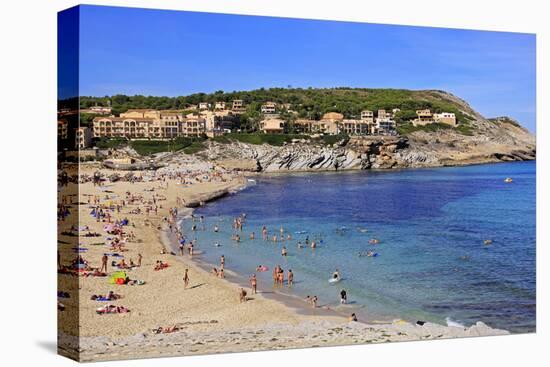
(431, 223)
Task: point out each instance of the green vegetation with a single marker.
(86, 119)
(195, 147)
(307, 103)
(148, 147)
(310, 103)
(505, 120)
(409, 128)
(465, 129)
(333, 139)
(222, 139)
(258, 138)
(111, 143)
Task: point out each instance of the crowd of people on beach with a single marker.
(279, 275)
(115, 215)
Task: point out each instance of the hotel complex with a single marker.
(219, 118)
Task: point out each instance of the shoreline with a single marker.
(293, 301)
(213, 304)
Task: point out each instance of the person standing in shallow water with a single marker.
(343, 296)
(290, 277)
(254, 283)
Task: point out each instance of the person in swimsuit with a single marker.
(314, 301)
(343, 296)
(104, 259)
(186, 278)
(290, 277)
(253, 283)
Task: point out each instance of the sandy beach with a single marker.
(207, 315)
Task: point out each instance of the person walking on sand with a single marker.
(186, 278)
(139, 259)
(242, 295)
(254, 283)
(104, 259)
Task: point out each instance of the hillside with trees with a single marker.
(309, 103)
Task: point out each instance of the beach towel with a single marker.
(114, 278)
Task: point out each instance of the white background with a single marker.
(28, 191)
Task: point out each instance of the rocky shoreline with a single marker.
(480, 141)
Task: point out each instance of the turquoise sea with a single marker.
(431, 224)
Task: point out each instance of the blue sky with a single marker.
(171, 53)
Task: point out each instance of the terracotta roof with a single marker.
(333, 116)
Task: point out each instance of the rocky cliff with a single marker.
(495, 141)
(475, 140)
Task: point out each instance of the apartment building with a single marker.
(385, 126)
(367, 116)
(426, 117)
(83, 137)
(448, 118)
(156, 125)
(238, 106)
(272, 126)
(356, 127)
(193, 125)
(141, 113)
(219, 105)
(383, 114)
(62, 129)
(423, 117)
(303, 126)
(100, 110)
(269, 108)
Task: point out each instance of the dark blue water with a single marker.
(431, 223)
